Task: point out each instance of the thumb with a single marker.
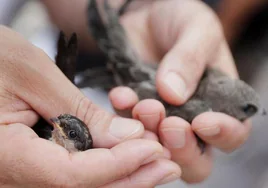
(190, 46)
(48, 91)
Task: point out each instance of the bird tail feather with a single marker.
(67, 55)
(109, 34)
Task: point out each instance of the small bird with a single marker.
(71, 133)
(66, 130)
(216, 91)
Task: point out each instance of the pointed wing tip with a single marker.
(73, 39)
(61, 40)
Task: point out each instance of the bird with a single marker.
(66, 130)
(216, 91)
(71, 133)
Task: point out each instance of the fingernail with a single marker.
(209, 131)
(176, 84)
(122, 128)
(169, 178)
(152, 158)
(174, 137)
(151, 120)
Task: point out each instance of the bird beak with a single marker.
(55, 122)
(56, 125)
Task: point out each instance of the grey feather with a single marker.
(216, 91)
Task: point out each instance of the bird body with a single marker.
(216, 91)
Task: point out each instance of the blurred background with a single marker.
(245, 24)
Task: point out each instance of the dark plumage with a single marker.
(67, 130)
(71, 133)
(216, 92)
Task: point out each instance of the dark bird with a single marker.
(216, 91)
(71, 133)
(66, 130)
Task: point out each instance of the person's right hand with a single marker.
(31, 84)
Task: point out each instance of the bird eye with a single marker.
(72, 134)
(250, 109)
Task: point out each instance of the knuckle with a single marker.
(83, 107)
(88, 112)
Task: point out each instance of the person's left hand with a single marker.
(184, 37)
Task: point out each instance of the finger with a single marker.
(27, 117)
(116, 163)
(123, 100)
(152, 136)
(41, 84)
(156, 173)
(150, 112)
(176, 134)
(221, 131)
(189, 45)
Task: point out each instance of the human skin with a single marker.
(184, 37)
(31, 84)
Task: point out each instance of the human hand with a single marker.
(184, 37)
(32, 84)
(186, 48)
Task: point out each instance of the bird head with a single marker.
(71, 133)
